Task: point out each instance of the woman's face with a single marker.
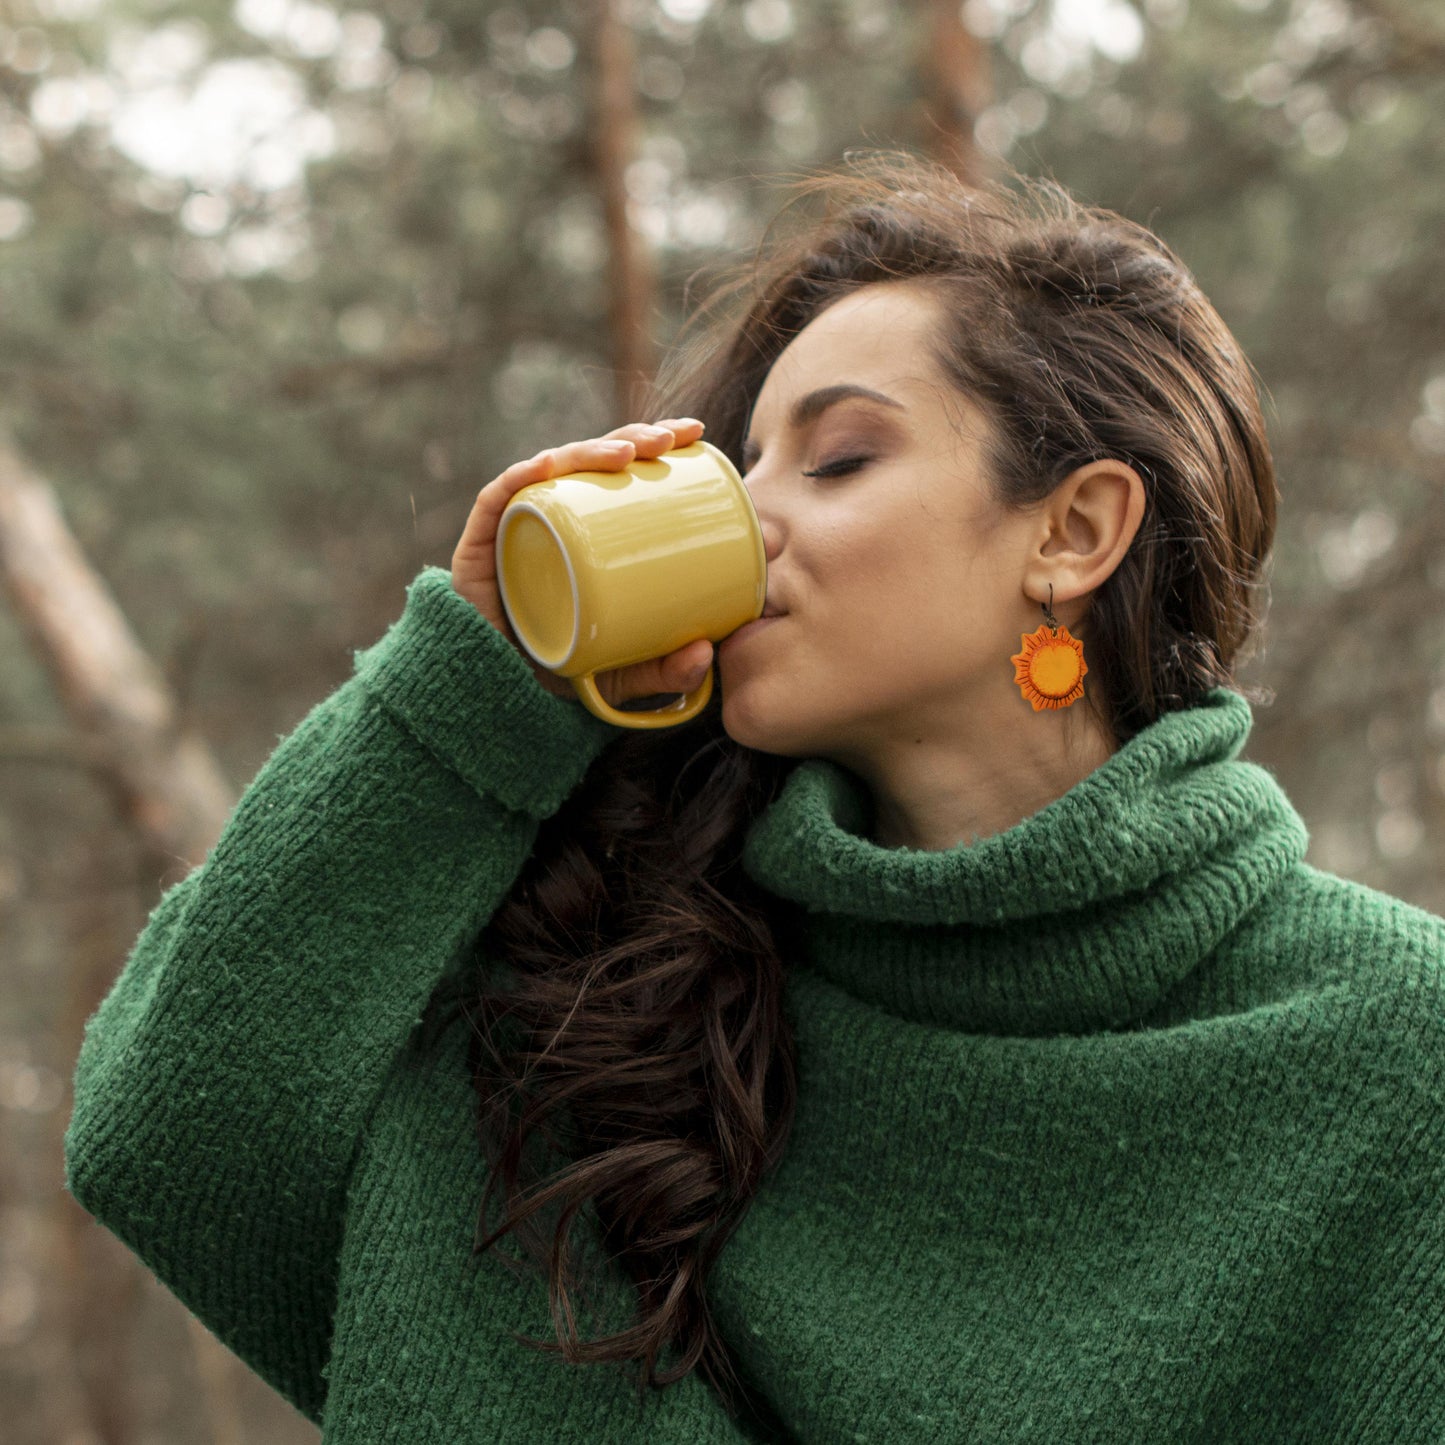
(900, 579)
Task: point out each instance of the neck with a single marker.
(969, 780)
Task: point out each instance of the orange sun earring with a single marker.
(1050, 669)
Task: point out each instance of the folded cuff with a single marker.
(473, 699)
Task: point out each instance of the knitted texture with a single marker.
(1123, 1124)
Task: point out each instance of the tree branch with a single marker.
(167, 781)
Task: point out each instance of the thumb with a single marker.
(679, 671)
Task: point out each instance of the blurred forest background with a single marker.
(283, 282)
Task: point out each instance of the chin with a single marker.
(742, 726)
(751, 726)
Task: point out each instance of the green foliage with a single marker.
(268, 385)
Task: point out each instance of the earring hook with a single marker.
(1049, 609)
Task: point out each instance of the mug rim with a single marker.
(516, 509)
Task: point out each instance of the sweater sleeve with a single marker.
(224, 1081)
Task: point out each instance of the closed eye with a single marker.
(839, 468)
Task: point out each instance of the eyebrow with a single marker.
(813, 404)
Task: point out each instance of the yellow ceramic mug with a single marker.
(599, 570)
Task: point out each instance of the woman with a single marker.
(898, 1053)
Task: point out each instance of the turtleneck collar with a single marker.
(1081, 917)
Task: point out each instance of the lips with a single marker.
(747, 630)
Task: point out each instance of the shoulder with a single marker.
(1364, 985)
(1353, 934)
(1336, 991)
(1356, 975)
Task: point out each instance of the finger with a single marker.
(481, 524)
(676, 426)
(643, 439)
(681, 432)
(688, 426)
(679, 671)
(663, 436)
(596, 454)
(552, 461)
(501, 489)
(688, 665)
(653, 438)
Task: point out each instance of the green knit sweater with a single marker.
(1121, 1125)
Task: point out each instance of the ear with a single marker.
(1087, 524)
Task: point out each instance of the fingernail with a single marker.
(654, 431)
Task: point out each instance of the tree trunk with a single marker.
(630, 274)
(957, 86)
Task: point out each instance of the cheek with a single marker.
(908, 611)
(889, 583)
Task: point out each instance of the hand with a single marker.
(474, 562)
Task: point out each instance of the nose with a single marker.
(772, 534)
(771, 529)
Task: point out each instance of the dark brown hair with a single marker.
(643, 1014)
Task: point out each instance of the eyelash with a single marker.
(839, 468)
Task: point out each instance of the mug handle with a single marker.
(683, 710)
